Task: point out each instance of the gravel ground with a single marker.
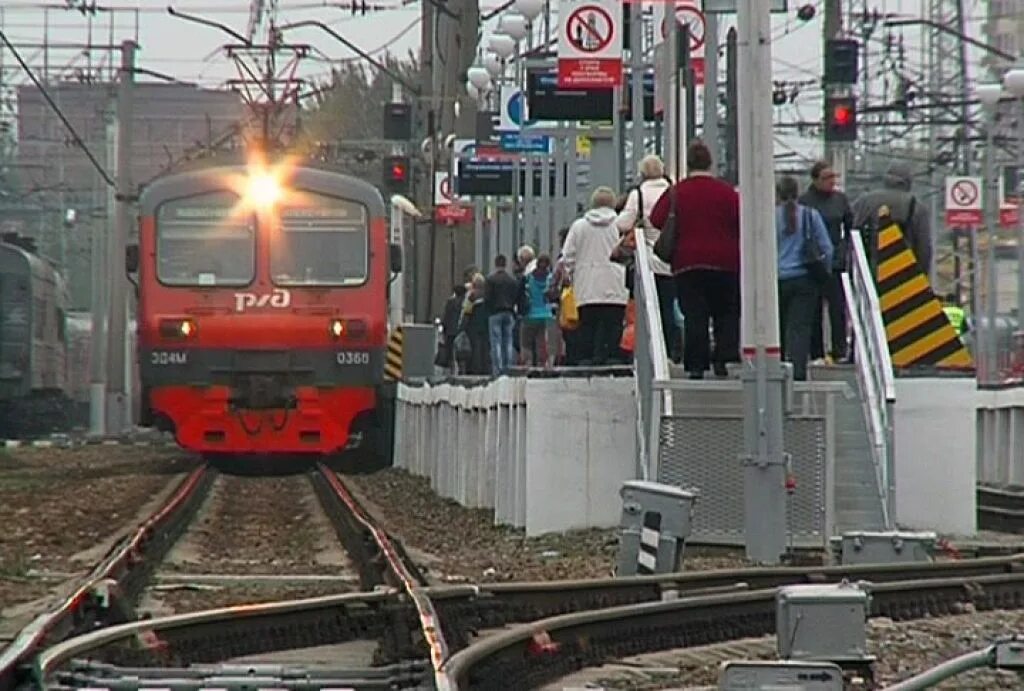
(902, 650)
(459, 544)
(193, 598)
(56, 504)
(252, 526)
(269, 525)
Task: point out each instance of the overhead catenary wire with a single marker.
(56, 109)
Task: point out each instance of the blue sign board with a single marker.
(531, 143)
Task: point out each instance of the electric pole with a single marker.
(118, 417)
(833, 29)
(764, 460)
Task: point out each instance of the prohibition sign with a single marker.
(446, 187)
(964, 193)
(589, 29)
(694, 18)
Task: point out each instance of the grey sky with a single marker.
(190, 52)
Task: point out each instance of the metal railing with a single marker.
(874, 370)
(650, 364)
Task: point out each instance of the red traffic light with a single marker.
(842, 115)
(399, 172)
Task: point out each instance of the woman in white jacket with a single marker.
(599, 284)
(640, 201)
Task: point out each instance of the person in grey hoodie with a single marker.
(903, 207)
(834, 208)
(598, 283)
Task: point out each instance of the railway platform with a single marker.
(875, 446)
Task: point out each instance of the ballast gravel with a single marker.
(457, 544)
(61, 507)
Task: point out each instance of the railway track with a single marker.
(110, 593)
(564, 625)
(548, 629)
(1001, 509)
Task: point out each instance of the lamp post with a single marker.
(1014, 83)
(989, 95)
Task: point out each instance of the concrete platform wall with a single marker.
(936, 468)
(546, 454)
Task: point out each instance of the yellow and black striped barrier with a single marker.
(918, 331)
(393, 356)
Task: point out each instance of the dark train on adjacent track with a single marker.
(33, 343)
(262, 320)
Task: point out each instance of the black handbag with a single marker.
(815, 258)
(665, 245)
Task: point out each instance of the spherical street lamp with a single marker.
(1013, 80)
(513, 25)
(503, 45)
(492, 63)
(530, 9)
(989, 94)
(479, 77)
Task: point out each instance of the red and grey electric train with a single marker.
(263, 309)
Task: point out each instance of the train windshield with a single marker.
(323, 241)
(202, 241)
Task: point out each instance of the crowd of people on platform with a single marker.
(578, 308)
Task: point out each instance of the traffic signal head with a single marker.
(840, 119)
(397, 122)
(396, 174)
(841, 61)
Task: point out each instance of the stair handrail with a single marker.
(875, 375)
(650, 358)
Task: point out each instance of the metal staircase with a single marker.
(838, 427)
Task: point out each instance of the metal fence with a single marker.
(875, 376)
(651, 365)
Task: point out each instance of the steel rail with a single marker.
(1001, 508)
(543, 651)
(429, 622)
(229, 632)
(111, 582)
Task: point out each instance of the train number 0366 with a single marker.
(353, 357)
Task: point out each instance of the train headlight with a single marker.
(264, 190)
(180, 329)
(349, 329)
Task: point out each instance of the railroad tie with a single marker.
(650, 536)
(916, 328)
(393, 358)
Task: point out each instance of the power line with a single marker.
(46, 95)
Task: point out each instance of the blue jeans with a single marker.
(502, 353)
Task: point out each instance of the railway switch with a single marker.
(806, 676)
(655, 523)
(890, 547)
(822, 623)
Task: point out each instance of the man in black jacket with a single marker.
(501, 296)
(834, 207)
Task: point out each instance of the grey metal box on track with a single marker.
(419, 349)
(655, 523)
(822, 622)
(889, 547)
(791, 676)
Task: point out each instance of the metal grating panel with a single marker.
(704, 452)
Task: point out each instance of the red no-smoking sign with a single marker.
(963, 202)
(590, 44)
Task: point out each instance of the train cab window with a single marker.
(203, 240)
(323, 241)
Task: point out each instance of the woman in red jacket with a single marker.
(705, 262)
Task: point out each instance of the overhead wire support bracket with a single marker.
(207, 22)
(415, 90)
